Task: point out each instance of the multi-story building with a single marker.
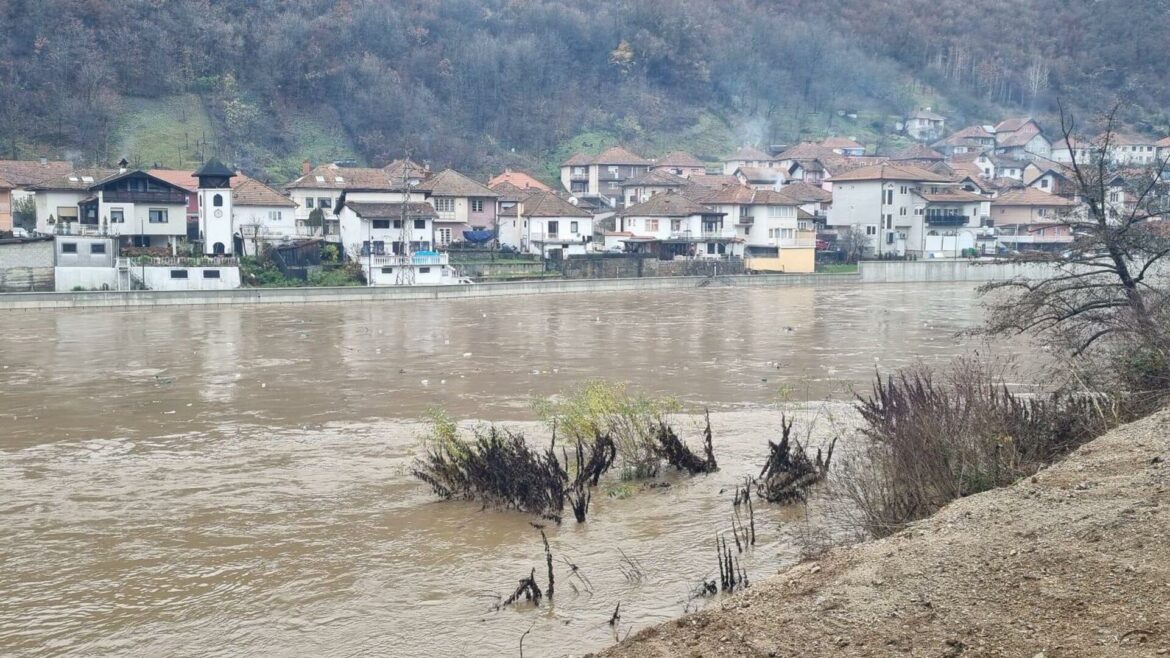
(925, 124)
(542, 222)
(747, 156)
(1030, 219)
(460, 203)
(769, 224)
(680, 163)
(601, 176)
(673, 226)
(643, 186)
(321, 187)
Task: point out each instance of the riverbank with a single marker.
(868, 272)
(1072, 562)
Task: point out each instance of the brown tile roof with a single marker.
(251, 192)
(749, 196)
(748, 153)
(655, 178)
(1030, 196)
(75, 180)
(806, 151)
(1017, 138)
(1163, 143)
(27, 172)
(616, 155)
(803, 192)
(519, 179)
(452, 183)
(890, 172)
(412, 169)
(1129, 139)
(917, 152)
(762, 174)
(679, 159)
(5, 185)
(391, 210)
(577, 160)
(333, 177)
(183, 179)
(713, 180)
(510, 192)
(549, 204)
(1014, 124)
(837, 164)
(840, 143)
(665, 205)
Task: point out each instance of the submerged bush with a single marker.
(630, 418)
(937, 437)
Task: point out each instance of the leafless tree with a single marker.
(1110, 286)
(854, 242)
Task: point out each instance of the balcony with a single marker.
(947, 219)
(415, 259)
(746, 220)
(164, 198)
(579, 175)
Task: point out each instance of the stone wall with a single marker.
(26, 265)
(632, 266)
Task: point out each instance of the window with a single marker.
(902, 210)
(424, 270)
(379, 248)
(398, 223)
(477, 205)
(420, 223)
(573, 227)
(158, 215)
(366, 247)
(178, 274)
(711, 248)
(651, 224)
(1113, 196)
(97, 248)
(676, 225)
(308, 202)
(444, 235)
(773, 233)
(1041, 211)
(444, 204)
(67, 213)
(554, 227)
(387, 270)
(217, 200)
(275, 215)
(68, 247)
(325, 203)
(117, 216)
(889, 197)
(1044, 182)
(381, 223)
(871, 230)
(904, 189)
(210, 274)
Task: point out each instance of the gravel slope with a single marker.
(1072, 562)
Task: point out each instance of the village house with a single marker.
(671, 226)
(546, 224)
(1063, 151)
(769, 224)
(1021, 138)
(919, 155)
(600, 177)
(519, 179)
(747, 156)
(1030, 219)
(140, 209)
(925, 125)
(320, 188)
(461, 204)
(15, 178)
(1051, 177)
(680, 163)
(906, 210)
(811, 199)
(761, 178)
(643, 186)
(262, 216)
(843, 146)
(393, 242)
(972, 139)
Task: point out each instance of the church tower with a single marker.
(215, 208)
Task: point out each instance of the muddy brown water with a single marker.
(226, 481)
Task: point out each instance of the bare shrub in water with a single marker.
(630, 418)
(934, 437)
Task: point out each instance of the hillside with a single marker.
(1072, 562)
(480, 83)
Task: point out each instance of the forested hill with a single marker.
(479, 83)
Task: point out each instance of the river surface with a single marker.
(225, 481)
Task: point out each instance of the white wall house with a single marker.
(768, 222)
(643, 186)
(601, 176)
(747, 156)
(460, 203)
(546, 224)
(263, 216)
(671, 226)
(322, 187)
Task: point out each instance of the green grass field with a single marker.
(165, 131)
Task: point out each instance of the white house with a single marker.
(671, 226)
(600, 177)
(544, 223)
(768, 223)
(1020, 138)
(643, 186)
(925, 124)
(321, 188)
(747, 156)
(680, 163)
(263, 216)
(135, 206)
(460, 204)
(393, 242)
(899, 207)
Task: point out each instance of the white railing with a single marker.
(416, 259)
(177, 261)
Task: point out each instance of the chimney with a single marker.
(306, 167)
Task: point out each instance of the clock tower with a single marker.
(215, 208)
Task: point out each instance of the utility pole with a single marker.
(406, 274)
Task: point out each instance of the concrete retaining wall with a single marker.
(26, 265)
(362, 294)
(947, 270)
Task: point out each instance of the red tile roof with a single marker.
(890, 172)
(520, 179)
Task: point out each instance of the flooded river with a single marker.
(221, 481)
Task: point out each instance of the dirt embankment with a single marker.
(1072, 562)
